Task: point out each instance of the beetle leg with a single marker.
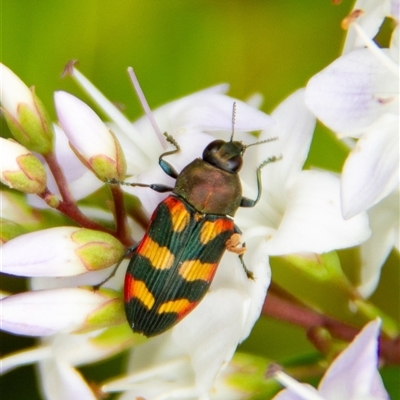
(130, 250)
(166, 166)
(158, 187)
(246, 202)
(232, 245)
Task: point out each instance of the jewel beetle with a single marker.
(173, 265)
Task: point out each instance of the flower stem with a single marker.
(68, 205)
(283, 309)
(122, 229)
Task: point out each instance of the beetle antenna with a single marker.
(262, 141)
(233, 119)
(145, 106)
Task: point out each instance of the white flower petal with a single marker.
(49, 252)
(210, 338)
(384, 221)
(208, 112)
(38, 313)
(287, 395)
(371, 171)
(313, 221)
(371, 20)
(294, 128)
(80, 349)
(352, 92)
(59, 381)
(354, 374)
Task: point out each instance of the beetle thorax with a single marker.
(209, 189)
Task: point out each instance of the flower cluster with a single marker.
(357, 96)
(63, 170)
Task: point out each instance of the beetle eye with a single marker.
(210, 151)
(234, 164)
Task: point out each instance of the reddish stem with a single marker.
(283, 309)
(122, 228)
(68, 205)
(59, 178)
(73, 212)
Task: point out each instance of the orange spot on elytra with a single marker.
(160, 257)
(135, 289)
(181, 307)
(212, 229)
(193, 270)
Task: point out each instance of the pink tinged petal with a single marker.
(294, 129)
(296, 390)
(287, 395)
(48, 312)
(49, 252)
(395, 44)
(354, 373)
(384, 221)
(352, 92)
(59, 381)
(85, 130)
(371, 171)
(313, 221)
(395, 10)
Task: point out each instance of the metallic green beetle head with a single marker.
(225, 155)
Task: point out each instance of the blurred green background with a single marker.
(177, 47)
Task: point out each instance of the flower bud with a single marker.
(25, 114)
(9, 230)
(94, 144)
(62, 251)
(20, 169)
(38, 313)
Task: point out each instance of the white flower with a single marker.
(357, 96)
(299, 210)
(384, 221)
(353, 375)
(239, 300)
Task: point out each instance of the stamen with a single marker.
(146, 107)
(376, 50)
(128, 382)
(301, 390)
(24, 357)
